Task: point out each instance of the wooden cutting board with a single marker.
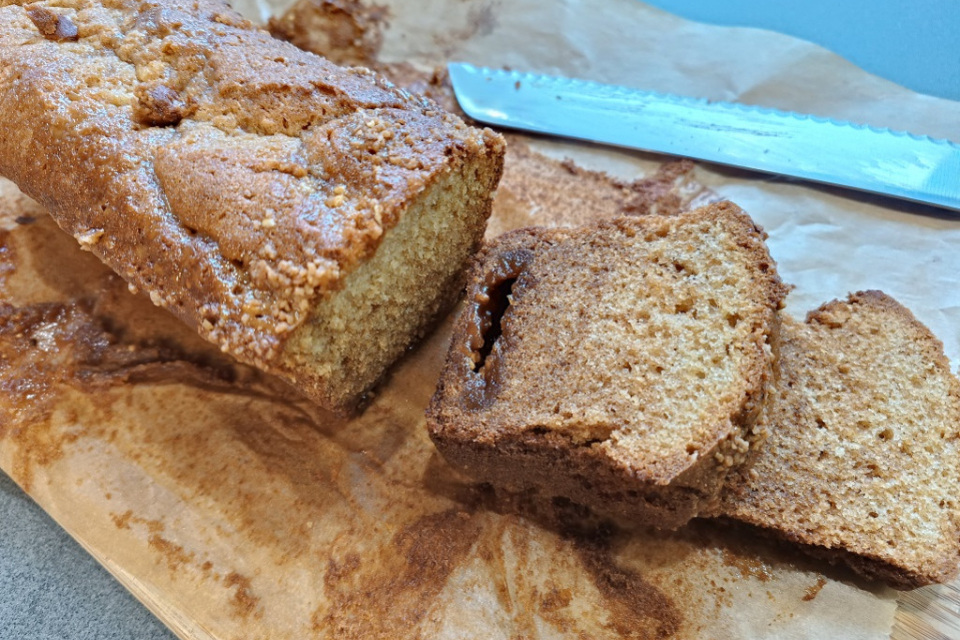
(931, 613)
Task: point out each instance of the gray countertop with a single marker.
(50, 588)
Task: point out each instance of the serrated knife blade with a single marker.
(894, 163)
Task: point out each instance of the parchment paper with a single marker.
(827, 241)
(235, 509)
(236, 512)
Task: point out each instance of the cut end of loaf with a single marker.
(354, 334)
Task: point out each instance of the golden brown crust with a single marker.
(233, 177)
(862, 463)
(492, 416)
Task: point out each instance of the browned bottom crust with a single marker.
(873, 568)
(552, 466)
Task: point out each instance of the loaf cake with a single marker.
(863, 461)
(310, 220)
(621, 365)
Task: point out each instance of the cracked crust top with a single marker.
(232, 176)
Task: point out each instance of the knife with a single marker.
(894, 163)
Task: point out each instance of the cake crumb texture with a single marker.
(862, 464)
(621, 364)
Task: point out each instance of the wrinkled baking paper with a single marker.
(251, 515)
(235, 509)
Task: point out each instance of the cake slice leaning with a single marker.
(862, 465)
(620, 365)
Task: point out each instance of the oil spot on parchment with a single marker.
(51, 353)
(38, 346)
(539, 578)
(123, 521)
(637, 608)
(480, 20)
(173, 554)
(376, 597)
(747, 566)
(244, 603)
(814, 590)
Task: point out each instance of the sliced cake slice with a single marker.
(621, 365)
(862, 465)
